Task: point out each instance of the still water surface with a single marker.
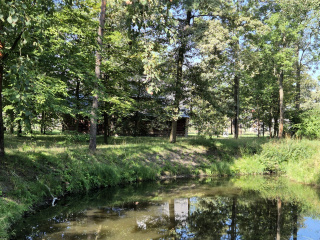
(240, 208)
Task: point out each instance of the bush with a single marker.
(310, 125)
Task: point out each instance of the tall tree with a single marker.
(182, 35)
(94, 111)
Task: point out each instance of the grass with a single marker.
(38, 168)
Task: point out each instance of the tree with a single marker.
(1, 83)
(20, 21)
(182, 36)
(94, 111)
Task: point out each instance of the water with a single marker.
(240, 208)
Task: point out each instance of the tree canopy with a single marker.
(125, 63)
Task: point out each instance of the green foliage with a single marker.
(278, 156)
(10, 211)
(310, 126)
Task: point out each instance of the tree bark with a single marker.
(298, 79)
(275, 126)
(270, 122)
(1, 83)
(236, 106)
(136, 129)
(43, 123)
(258, 127)
(173, 133)
(19, 129)
(281, 105)
(78, 105)
(105, 127)
(11, 121)
(177, 97)
(94, 109)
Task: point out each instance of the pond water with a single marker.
(240, 208)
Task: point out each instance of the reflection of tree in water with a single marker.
(209, 220)
(235, 218)
(225, 218)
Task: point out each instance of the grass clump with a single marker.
(298, 159)
(276, 155)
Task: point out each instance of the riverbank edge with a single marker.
(43, 186)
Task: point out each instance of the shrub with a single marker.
(310, 125)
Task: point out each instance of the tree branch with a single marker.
(14, 45)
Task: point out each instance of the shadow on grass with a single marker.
(136, 155)
(227, 149)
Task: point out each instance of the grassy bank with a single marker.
(38, 168)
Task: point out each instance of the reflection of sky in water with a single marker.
(193, 208)
(310, 230)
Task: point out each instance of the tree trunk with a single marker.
(136, 129)
(270, 122)
(43, 123)
(173, 133)
(281, 105)
(11, 121)
(298, 83)
(1, 82)
(236, 107)
(231, 126)
(275, 126)
(94, 109)
(186, 130)
(270, 127)
(19, 129)
(78, 105)
(258, 127)
(105, 127)
(178, 90)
